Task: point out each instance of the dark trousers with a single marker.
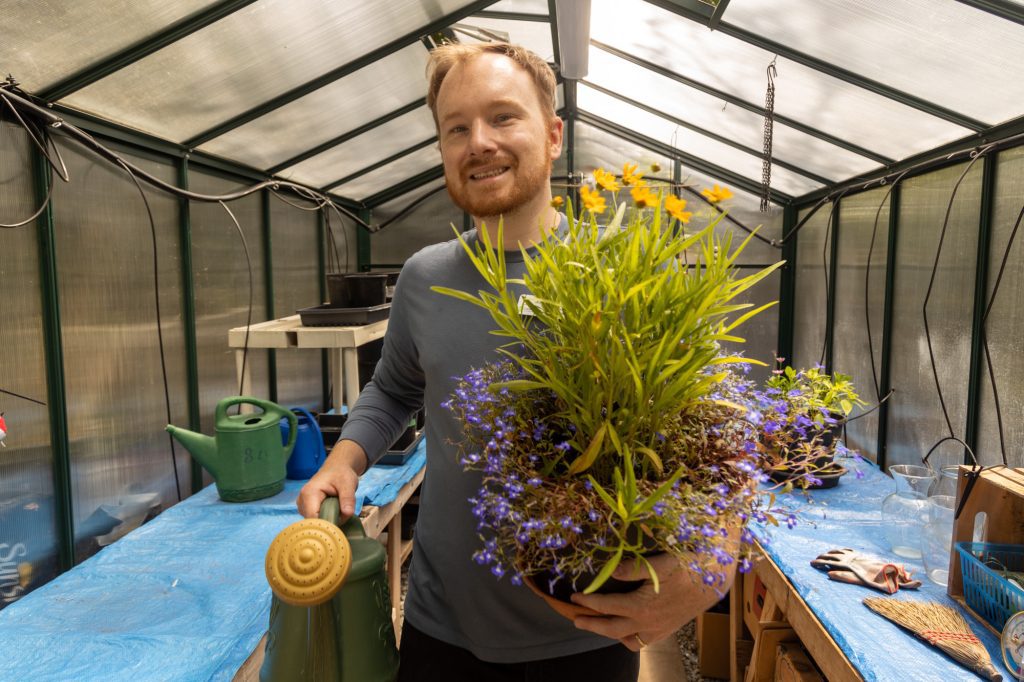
(425, 659)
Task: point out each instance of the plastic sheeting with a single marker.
(850, 516)
(182, 598)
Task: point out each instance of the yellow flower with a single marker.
(606, 180)
(629, 174)
(643, 196)
(557, 202)
(716, 194)
(655, 167)
(675, 207)
(592, 200)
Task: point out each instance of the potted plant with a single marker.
(611, 428)
(800, 415)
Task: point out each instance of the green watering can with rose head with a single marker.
(245, 456)
(330, 614)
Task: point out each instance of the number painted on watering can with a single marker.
(249, 458)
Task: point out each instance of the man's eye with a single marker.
(454, 130)
(503, 118)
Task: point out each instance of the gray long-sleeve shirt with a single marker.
(431, 341)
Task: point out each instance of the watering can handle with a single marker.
(331, 512)
(268, 407)
(321, 453)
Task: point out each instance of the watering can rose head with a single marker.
(611, 428)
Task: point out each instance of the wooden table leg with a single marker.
(395, 568)
(350, 376)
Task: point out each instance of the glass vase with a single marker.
(937, 538)
(903, 512)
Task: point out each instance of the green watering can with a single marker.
(245, 456)
(330, 616)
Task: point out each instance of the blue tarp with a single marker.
(850, 516)
(183, 597)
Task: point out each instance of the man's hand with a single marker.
(643, 617)
(338, 477)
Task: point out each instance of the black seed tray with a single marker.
(326, 316)
(401, 456)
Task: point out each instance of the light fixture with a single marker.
(573, 19)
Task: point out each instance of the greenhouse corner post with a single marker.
(321, 269)
(56, 397)
(787, 285)
(885, 380)
(988, 183)
(364, 254)
(268, 278)
(830, 303)
(188, 309)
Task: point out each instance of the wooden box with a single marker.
(713, 644)
(792, 664)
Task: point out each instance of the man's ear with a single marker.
(555, 137)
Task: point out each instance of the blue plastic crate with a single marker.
(987, 593)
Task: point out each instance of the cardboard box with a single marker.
(762, 662)
(713, 645)
(793, 664)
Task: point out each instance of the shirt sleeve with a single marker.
(395, 392)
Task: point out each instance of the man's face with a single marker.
(497, 144)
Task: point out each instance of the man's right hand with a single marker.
(338, 477)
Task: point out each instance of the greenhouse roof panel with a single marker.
(390, 175)
(364, 150)
(739, 68)
(260, 52)
(944, 51)
(525, 6)
(534, 35)
(45, 42)
(356, 99)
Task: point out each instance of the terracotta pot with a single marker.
(563, 608)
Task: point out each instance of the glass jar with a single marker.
(946, 485)
(937, 538)
(903, 512)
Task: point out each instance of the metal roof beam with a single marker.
(716, 16)
(827, 68)
(512, 16)
(717, 172)
(1004, 9)
(743, 104)
(713, 135)
(554, 35)
(345, 137)
(336, 74)
(380, 164)
(143, 48)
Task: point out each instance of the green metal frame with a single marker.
(268, 288)
(364, 251)
(787, 286)
(188, 313)
(830, 307)
(336, 74)
(380, 164)
(690, 161)
(1005, 9)
(711, 134)
(885, 378)
(143, 48)
(345, 137)
(56, 396)
(985, 228)
(771, 46)
(716, 16)
(321, 271)
(553, 20)
(569, 135)
(512, 16)
(743, 104)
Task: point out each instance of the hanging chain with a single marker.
(769, 122)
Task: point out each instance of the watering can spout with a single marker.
(202, 448)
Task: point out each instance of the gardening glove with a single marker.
(847, 566)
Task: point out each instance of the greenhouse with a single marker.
(512, 339)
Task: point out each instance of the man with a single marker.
(498, 132)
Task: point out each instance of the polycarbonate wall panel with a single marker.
(857, 215)
(1005, 325)
(293, 238)
(340, 252)
(364, 150)
(121, 457)
(716, 115)
(762, 332)
(533, 35)
(261, 51)
(688, 141)
(346, 104)
(45, 42)
(222, 291)
(430, 222)
(810, 304)
(916, 420)
(738, 68)
(27, 517)
(944, 51)
(390, 175)
(597, 149)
